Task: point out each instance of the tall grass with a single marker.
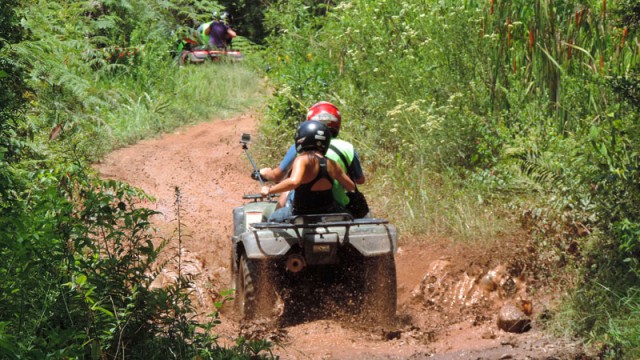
(453, 85)
(104, 76)
(434, 204)
(465, 113)
(197, 93)
(607, 310)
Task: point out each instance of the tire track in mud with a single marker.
(207, 164)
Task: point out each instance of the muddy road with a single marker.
(446, 307)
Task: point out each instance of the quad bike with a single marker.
(202, 55)
(191, 52)
(283, 265)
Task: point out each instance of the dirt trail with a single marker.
(441, 312)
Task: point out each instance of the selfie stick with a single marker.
(245, 140)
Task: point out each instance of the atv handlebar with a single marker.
(257, 197)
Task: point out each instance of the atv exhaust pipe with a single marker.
(295, 263)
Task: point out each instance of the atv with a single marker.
(201, 55)
(286, 265)
(189, 51)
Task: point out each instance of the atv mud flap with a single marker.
(195, 56)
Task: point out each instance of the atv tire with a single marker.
(380, 289)
(255, 293)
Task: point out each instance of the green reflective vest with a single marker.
(202, 30)
(347, 150)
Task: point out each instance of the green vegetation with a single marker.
(78, 253)
(474, 117)
(111, 77)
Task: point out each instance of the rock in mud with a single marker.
(513, 319)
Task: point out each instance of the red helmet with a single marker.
(326, 113)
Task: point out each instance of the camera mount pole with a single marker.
(246, 138)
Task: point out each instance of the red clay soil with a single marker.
(443, 311)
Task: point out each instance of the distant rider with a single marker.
(202, 33)
(220, 34)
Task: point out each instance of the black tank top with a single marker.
(307, 201)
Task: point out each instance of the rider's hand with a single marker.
(254, 175)
(265, 190)
(265, 173)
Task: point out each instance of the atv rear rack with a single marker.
(317, 221)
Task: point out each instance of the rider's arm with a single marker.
(335, 171)
(290, 183)
(355, 169)
(272, 174)
(277, 174)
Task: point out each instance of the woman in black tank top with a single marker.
(318, 201)
(312, 174)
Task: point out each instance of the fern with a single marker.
(541, 170)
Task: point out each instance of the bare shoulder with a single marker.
(305, 160)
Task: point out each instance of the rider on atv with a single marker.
(277, 267)
(217, 34)
(312, 175)
(340, 151)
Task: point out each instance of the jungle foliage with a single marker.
(480, 115)
(78, 253)
(248, 15)
(472, 116)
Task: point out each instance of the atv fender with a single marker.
(261, 244)
(368, 239)
(374, 240)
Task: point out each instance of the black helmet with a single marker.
(312, 135)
